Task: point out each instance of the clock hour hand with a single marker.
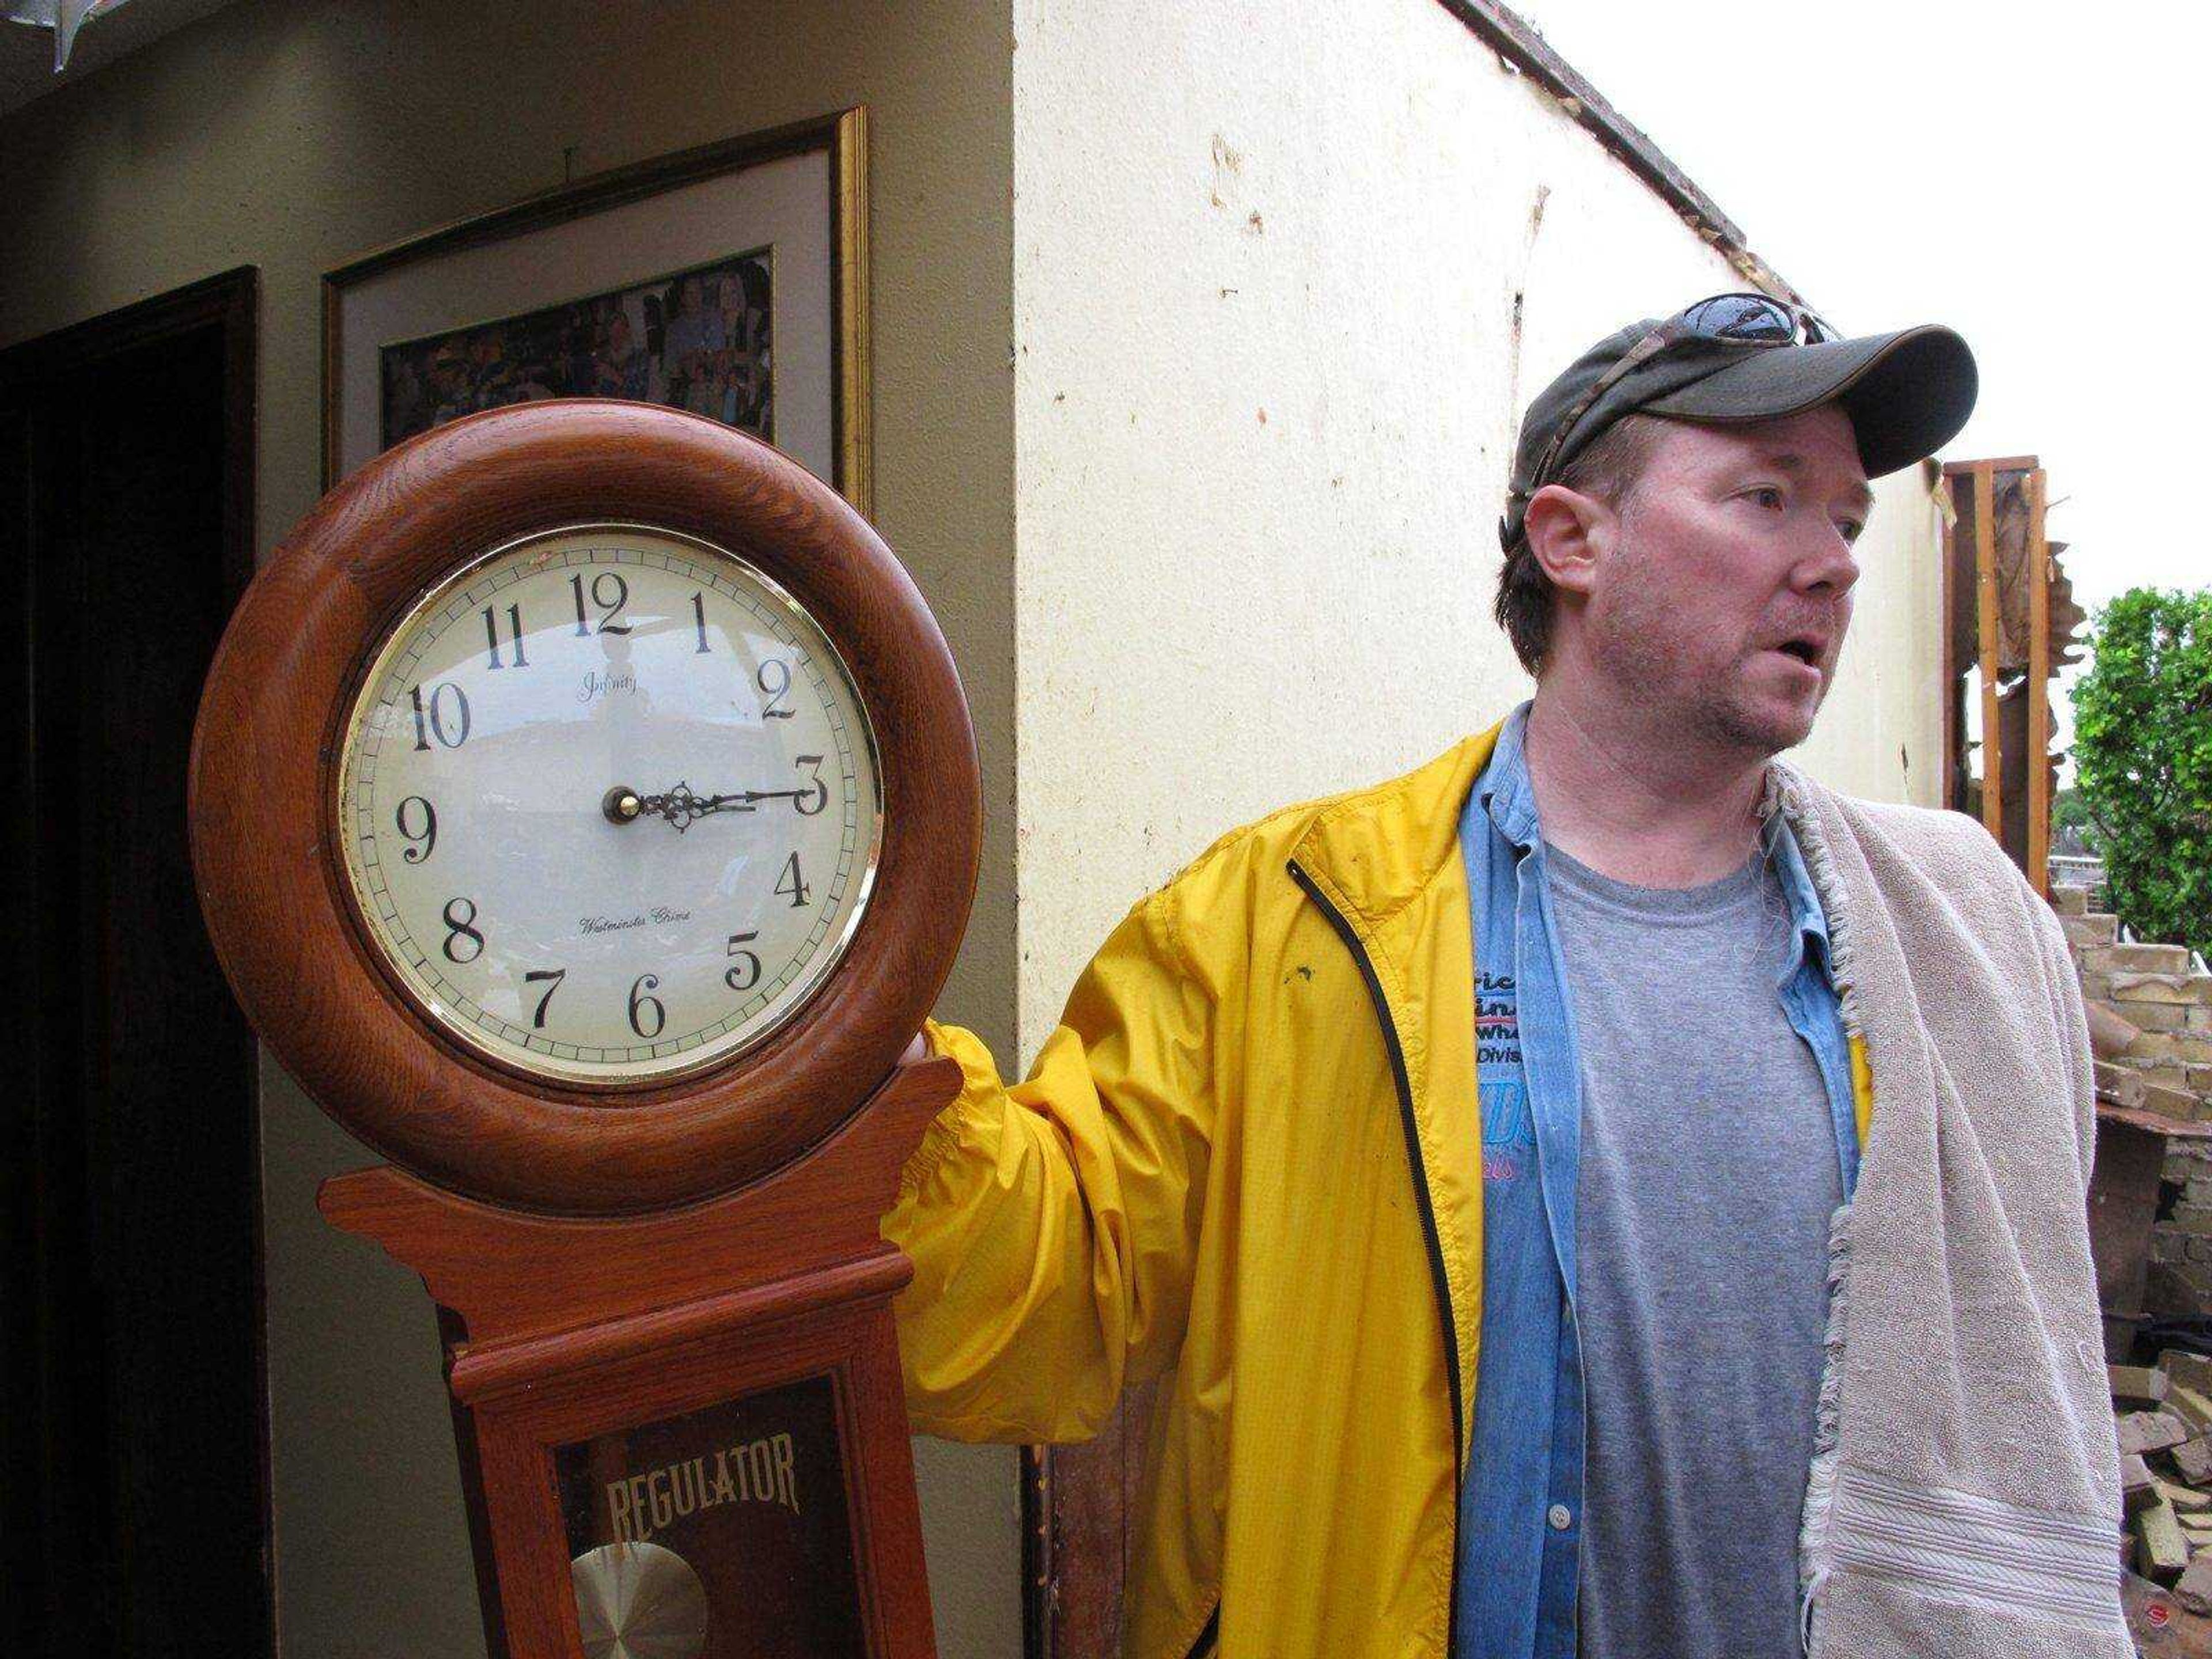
(683, 806)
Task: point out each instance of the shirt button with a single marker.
(1560, 1517)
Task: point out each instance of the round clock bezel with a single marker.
(358, 698)
(265, 775)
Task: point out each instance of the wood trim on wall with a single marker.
(230, 301)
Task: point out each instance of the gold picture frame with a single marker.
(776, 220)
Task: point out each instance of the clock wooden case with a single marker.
(585, 809)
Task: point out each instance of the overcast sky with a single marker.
(2033, 174)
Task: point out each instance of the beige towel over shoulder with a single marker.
(1964, 1499)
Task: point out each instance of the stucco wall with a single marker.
(1267, 265)
(1878, 734)
(296, 136)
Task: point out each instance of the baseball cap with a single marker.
(1908, 393)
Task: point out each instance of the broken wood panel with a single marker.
(1995, 534)
(1985, 602)
(1951, 733)
(2038, 752)
(1079, 1512)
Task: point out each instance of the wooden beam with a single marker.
(1519, 45)
(1952, 723)
(1985, 591)
(1999, 464)
(2038, 573)
(1506, 33)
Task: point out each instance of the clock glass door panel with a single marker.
(722, 1533)
(610, 805)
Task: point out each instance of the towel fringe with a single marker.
(1827, 1429)
(1783, 792)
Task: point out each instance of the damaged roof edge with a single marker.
(1514, 39)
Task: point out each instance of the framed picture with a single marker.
(731, 280)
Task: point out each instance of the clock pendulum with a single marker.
(638, 1601)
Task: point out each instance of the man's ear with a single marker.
(1570, 533)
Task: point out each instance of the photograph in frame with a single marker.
(698, 339)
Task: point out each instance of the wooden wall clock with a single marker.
(586, 811)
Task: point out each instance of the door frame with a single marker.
(228, 301)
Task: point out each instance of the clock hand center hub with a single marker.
(621, 805)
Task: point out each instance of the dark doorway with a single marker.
(135, 1502)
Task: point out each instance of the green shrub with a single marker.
(2142, 760)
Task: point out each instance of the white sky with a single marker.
(2033, 174)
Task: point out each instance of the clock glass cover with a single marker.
(608, 804)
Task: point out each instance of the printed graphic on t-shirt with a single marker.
(1508, 1134)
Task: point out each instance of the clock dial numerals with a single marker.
(610, 594)
(774, 682)
(747, 972)
(463, 943)
(421, 830)
(815, 795)
(514, 636)
(640, 854)
(793, 885)
(444, 715)
(644, 1007)
(551, 978)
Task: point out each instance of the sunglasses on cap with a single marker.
(1744, 320)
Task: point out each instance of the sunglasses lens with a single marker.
(1745, 317)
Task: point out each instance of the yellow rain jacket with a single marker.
(1249, 1156)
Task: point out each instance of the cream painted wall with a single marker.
(295, 135)
(1267, 263)
(1878, 733)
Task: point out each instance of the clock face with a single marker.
(608, 804)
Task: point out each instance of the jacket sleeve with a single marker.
(1053, 1224)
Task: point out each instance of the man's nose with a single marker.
(1827, 562)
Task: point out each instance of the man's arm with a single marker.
(1053, 1224)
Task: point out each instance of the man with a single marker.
(1601, 1192)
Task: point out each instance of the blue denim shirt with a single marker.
(1520, 1509)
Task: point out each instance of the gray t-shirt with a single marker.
(1708, 1175)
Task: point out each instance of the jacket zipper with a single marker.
(1210, 1635)
(1423, 1202)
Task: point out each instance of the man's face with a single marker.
(1723, 602)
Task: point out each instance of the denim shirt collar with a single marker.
(1809, 937)
(1503, 789)
(1505, 793)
